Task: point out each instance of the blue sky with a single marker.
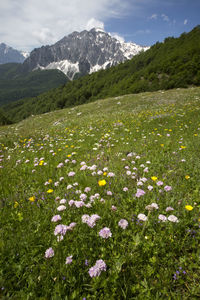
(153, 21)
(28, 24)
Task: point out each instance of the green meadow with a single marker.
(102, 200)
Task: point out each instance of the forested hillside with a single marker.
(16, 84)
(171, 64)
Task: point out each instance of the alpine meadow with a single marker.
(100, 181)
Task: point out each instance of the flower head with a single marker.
(123, 223)
(102, 182)
(105, 233)
(189, 207)
(49, 253)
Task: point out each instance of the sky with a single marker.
(29, 24)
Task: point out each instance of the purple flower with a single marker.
(167, 188)
(60, 229)
(97, 268)
(139, 193)
(69, 260)
(105, 233)
(71, 174)
(49, 253)
(159, 183)
(56, 218)
(123, 223)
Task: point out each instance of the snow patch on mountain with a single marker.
(68, 68)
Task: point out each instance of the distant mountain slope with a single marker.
(10, 55)
(81, 53)
(15, 84)
(171, 64)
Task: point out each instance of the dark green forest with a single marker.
(173, 63)
(16, 84)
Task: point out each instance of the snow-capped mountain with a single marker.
(10, 55)
(82, 52)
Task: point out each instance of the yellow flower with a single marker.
(189, 207)
(69, 155)
(154, 178)
(41, 162)
(187, 177)
(16, 204)
(162, 145)
(32, 199)
(50, 180)
(50, 191)
(183, 147)
(102, 182)
(105, 173)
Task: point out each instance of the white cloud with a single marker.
(154, 17)
(165, 18)
(94, 23)
(25, 24)
(185, 22)
(117, 36)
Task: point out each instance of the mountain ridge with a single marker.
(81, 53)
(11, 55)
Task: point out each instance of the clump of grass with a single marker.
(102, 201)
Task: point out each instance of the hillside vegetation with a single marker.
(16, 84)
(101, 201)
(171, 64)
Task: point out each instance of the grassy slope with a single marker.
(160, 127)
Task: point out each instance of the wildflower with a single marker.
(61, 229)
(50, 191)
(97, 268)
(169, 208)
(71, 174)
(110, 174)
(61, 208)
(32, 199)
(125, 189)
(123, 223)
(16, 204)
(63, 201)
(102, 182)
(187, 177)
(105, 233)
(142, 217)
(152, 206)
(113, 208)
(162, 218)
(56, 218)
(167, 188)
(109, 193)
(173, 219)
(189, 207)
(159, 183)
(154, 178)
(49, 253)
(150, 187)
(87, 189)
(69, 260)
(139, 193)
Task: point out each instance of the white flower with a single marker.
(142, 217)
(162, 218)
(173, 219)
